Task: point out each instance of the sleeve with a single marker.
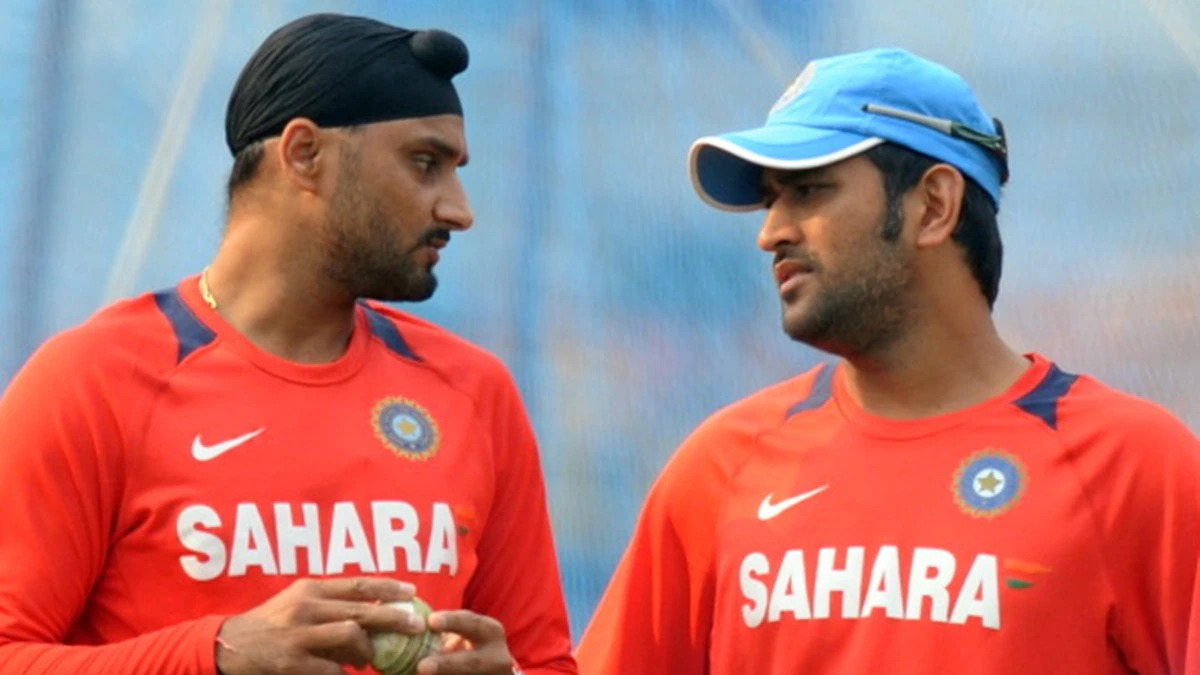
(517, 580)
(656, 615)
(60, 487)
(1191, 661)
(1149, 506)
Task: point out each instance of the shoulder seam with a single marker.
(399, 344)
(1093, 513)
(819, 393)
(184, 350)
(165, 376)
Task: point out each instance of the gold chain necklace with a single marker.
(204, 290)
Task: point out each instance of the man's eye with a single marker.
(425, 161)
(807, 189)
(769, 195)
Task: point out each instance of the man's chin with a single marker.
(799, 333)
(797, 322)
(801, 327)
(413, 290)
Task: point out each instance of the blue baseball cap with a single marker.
(843, 105)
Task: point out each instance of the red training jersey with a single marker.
(1055, 528)
(158, 473)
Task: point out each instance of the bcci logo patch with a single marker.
(988, 483)
(406, 428)
(796, 88)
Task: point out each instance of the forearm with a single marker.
(183, 649)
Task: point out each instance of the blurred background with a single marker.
(627, 310)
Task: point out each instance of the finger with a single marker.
(453, 642)
(367, 589)
(395, 617)
(477, 628)
(342, 642)
(477, 662)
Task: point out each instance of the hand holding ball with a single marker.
(399, 654)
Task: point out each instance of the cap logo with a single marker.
(797, 86)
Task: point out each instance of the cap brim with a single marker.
(727, 169)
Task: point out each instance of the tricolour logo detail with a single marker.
(988, 483)
(1026, 571)
(406, 428)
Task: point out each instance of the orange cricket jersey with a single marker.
(1053, 529)
(158, 472)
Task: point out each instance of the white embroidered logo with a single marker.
(203, 452)
(767, 510)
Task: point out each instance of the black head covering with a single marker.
(342, 70)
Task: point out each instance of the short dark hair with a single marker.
(977, 231)
(245, 164)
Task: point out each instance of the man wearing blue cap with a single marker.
(935, 501)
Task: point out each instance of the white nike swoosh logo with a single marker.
(767, 510)
(203, 452)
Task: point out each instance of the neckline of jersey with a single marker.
(875, 425)
(345, 366)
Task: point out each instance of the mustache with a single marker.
(797, 255)
(434, 236)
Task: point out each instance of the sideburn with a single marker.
(893, 222)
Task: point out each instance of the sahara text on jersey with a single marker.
(395, 528)
(773, 591)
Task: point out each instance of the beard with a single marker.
(859, 308)
(364, 257)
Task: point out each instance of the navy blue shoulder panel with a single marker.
(821, 390)
(1042, 402)
(385, 330)
(190, 331)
